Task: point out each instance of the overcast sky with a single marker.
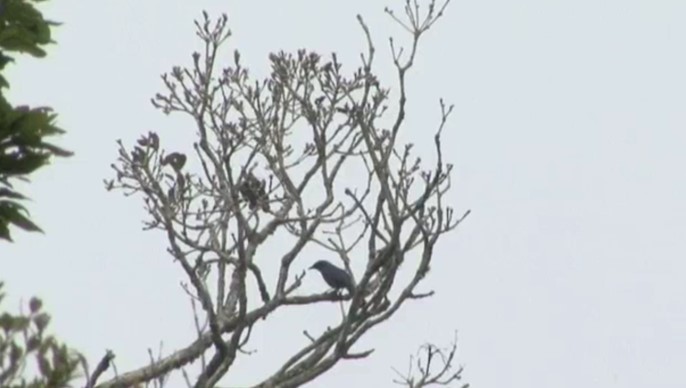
(568, 139)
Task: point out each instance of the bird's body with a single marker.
(334, 276)
(253, 191)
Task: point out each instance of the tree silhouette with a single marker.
(298, 129)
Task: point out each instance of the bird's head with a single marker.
(319, 265)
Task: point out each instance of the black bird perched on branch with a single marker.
(253, 191)
(334, 276)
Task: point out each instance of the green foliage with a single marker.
(23, 338)
(23, 130)
(23, 150)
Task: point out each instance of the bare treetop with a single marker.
(268, 158)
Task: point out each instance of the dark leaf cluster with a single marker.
(23, 339)
(24, 130)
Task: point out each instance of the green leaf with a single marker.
(32, 343)
(41, 320)
(5, 192)
(6, 322)
(57, 151)
(42, 33)
(20, 323)
(43, 365)
(5, 231)
(18, 164)
(16, 353)
(23, 222)
(12, 212)
(29, 127)
(14, 39)
(4, 60)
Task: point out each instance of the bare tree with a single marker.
(268, 159)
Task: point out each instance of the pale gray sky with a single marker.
(568, 140)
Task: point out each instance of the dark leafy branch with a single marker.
(26, 346)
(29, 356)
(24, 130)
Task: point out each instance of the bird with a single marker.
(334, 276)
(253, 191)
(176, 159)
